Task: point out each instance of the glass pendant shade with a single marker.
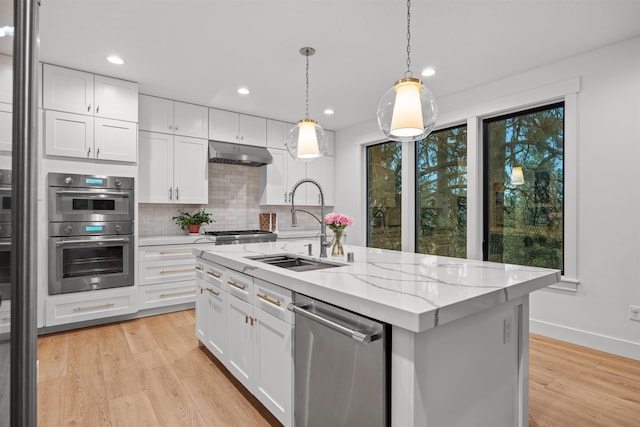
(407, 111)
(307, 140)
(517, 176)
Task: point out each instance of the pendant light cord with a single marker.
(306, 116)
(408, 73)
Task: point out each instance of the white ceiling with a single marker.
(201, 51)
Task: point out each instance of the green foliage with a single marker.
(185, 219)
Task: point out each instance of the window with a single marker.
(524, 188)
(384, 191)
(441, 193)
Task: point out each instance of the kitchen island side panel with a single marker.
(470, 372)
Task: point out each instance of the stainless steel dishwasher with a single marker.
(341, 366)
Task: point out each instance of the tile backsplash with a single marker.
(233, 201)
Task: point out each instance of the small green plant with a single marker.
(185, 219)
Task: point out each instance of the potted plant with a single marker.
(192, 222)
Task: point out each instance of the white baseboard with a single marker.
(587, 339)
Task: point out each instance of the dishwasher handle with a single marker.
(358, 336)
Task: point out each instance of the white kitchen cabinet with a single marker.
(240, 323)
(173, 117)
(75, 135)
(79, 92)
(166, 294)
(202, 311)
(276, 180)
(227, 126)
(323, 171)
(6, 125)
(172, 169)
(218, 336)
(82, 306)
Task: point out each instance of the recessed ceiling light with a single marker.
(6, 31)
(243, 91)
(328, 111)
(428, 72)
(115, 60)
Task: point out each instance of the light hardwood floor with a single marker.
(152, 372)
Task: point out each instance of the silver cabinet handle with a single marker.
(88, 151)
(98, 109)
(355, 335)
(89, 107)
(177, 193)
(170, 193)
(285, 197)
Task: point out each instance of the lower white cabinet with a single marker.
(251, 334)
(166, 275)
(82, 306)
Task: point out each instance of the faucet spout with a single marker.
(323, 226)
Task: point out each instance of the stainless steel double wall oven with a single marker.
(91, 232)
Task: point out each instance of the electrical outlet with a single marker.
(145, 219)
(634, 312)
(507, 330)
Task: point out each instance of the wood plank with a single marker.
(133, 410)
(51, 401)
(52, 354)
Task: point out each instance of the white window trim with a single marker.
(565, 90)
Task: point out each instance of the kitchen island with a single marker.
(459, 353)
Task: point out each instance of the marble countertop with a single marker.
(412, 291)
(183, 239)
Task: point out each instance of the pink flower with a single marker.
(337, 221)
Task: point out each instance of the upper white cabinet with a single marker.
(173, 169)
(173, 117)
(276, 180)
(78, 92)
(89, 116)
(227, 126)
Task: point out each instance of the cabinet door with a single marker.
(115, 99)
(331, 142)
(190, 120)
(322, 170)
(67, 90)
(155, 114)
(115, 140)
(218, 333)
(68, 134)
(155, 168)
(253, 130)
(202, 312)
(273, 376)
(240, 349)
(272, 179)
(190, 169)
(6, 79)
(223, 125)
(296, 170)
(277, 134)
(6, 124)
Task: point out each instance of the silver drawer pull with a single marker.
(269, 299)
(182, 270)
(175, 252)
(214, 274)
(197, 267)
(237, 285)
(92, 307)
(211, 291)
(171, 294)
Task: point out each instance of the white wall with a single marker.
(608, 192)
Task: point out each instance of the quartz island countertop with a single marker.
(413, 291)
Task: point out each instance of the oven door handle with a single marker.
(5, 243)
(75, 242)
(93, 193)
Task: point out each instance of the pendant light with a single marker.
(307, 140)
(407, 111)
(517, 176)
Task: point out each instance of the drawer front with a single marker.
(90, 305)
(163, 253)
(212, 273)
(166, 294)
(240, 285)
(273, 299)
(167, 271)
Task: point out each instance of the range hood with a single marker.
(238, 154)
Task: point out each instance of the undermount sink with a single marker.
(294, 262)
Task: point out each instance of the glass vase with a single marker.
(337, 249)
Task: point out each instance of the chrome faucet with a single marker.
(323, 226)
